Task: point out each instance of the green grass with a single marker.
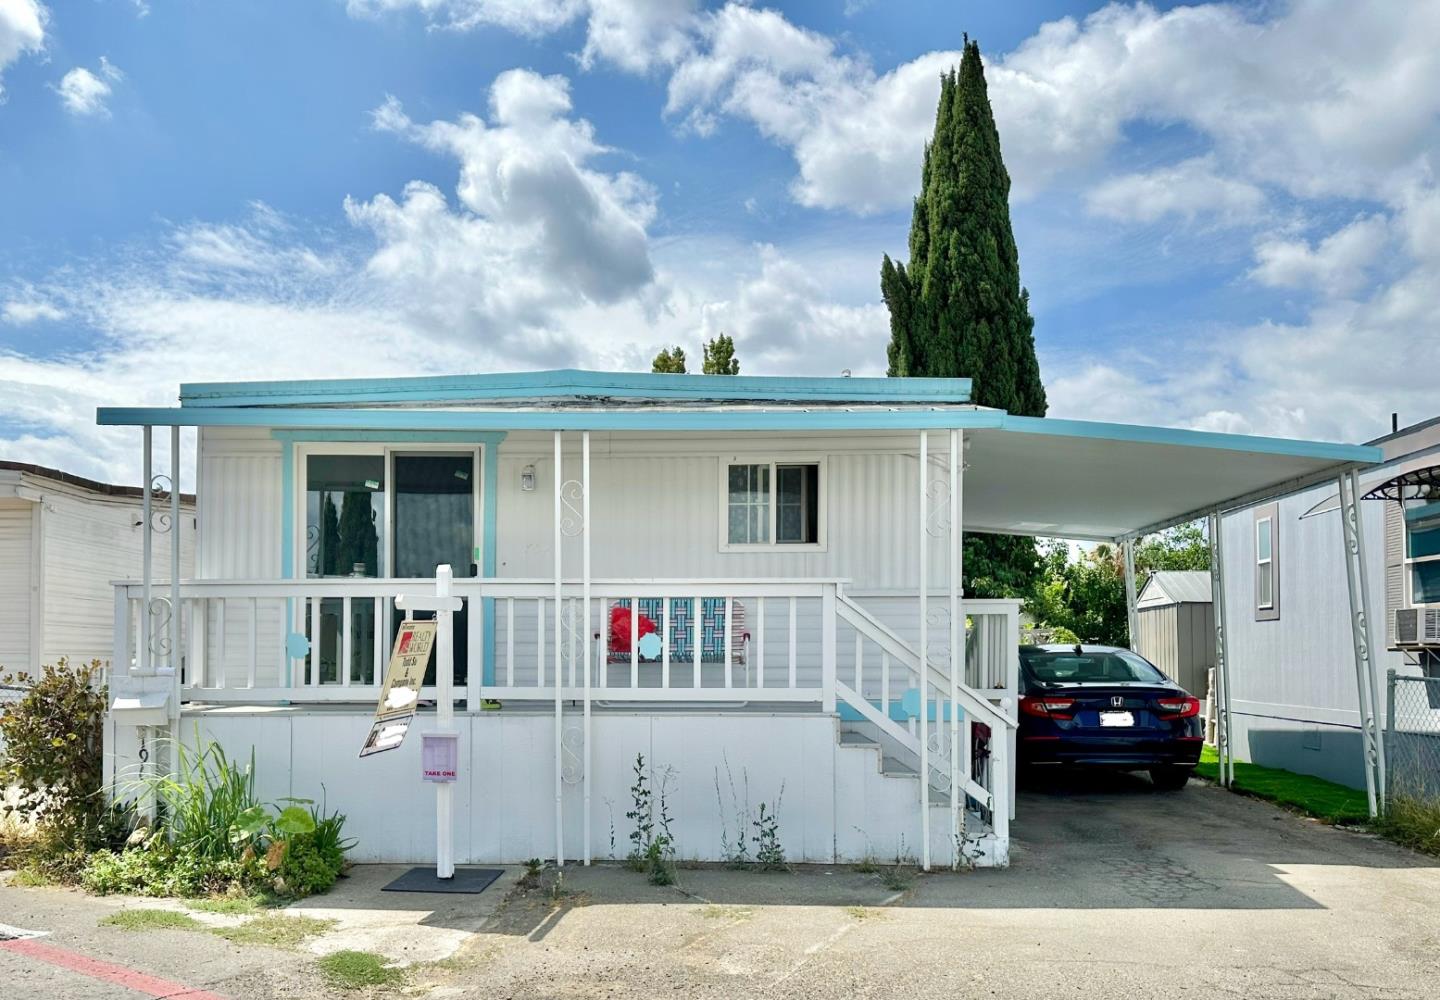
(152, 920)
(1412, 822)
(1316, 797)
(275, 930)
(358, 970)
(228, 905)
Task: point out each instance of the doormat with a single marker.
(466, 880)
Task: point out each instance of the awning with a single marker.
(1077, 479)
(1417, 484)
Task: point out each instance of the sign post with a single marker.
(444, 604)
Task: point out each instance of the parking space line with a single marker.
(108, 972)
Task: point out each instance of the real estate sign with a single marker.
(401, 692)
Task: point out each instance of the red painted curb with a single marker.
(106, 971)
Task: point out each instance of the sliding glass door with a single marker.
(373, 511)
(434, 523)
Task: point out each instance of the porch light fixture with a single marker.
(527, 479)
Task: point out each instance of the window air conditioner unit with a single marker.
(1417, 627)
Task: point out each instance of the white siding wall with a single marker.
(1293, 679)
(90, 541)
(656, 504)
(834, 802)
(239, 499)
(16, 582)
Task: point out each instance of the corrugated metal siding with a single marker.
(1156, 638)
(1180, 640)
(1394, 544)
(240, 505)
(660, 517)
(16, 581)
(90, 541)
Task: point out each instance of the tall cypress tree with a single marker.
(958, 309)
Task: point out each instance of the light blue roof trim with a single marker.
(1145, 434)
(340, 418)
(568, 383)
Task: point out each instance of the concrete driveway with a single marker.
(1115, 891)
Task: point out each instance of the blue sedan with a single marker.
(1100, 706)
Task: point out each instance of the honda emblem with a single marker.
(1117, 702)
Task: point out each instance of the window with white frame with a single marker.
(1422, 551)
(1267, 564)
(772, 504)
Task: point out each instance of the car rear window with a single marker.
(1069, 667)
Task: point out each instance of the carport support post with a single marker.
(1132, 617)
(1221, 694)
(922, 682)
(1366, 691)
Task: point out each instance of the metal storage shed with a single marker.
(1176, 627)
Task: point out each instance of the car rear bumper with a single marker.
(1103, 751)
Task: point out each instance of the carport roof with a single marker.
(1079, 479)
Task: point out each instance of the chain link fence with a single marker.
(1412, 737)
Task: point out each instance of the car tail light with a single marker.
(1178, 708)
(1048, 708)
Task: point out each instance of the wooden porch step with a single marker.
(852, 739)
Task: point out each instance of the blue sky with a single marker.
(1227, 213)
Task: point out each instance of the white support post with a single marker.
(924, 652)
(957, 648)
(1221, 694)
(559, 642)
(1132, 614)
(444, 719)
(176, 680)
(1366, 693)
(585, 626)
(145, 666)
(444, 604)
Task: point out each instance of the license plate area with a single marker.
(1116, 719)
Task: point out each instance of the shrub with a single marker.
(52, 756)
(1413, 821)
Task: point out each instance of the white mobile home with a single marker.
(737, 577)
(63, 539)
(1295, 699)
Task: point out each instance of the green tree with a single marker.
(720, 357)
(957, 309)
(1087, 595)
(358, 542)
(329, 536)
(670, 361)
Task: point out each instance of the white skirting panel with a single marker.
(834, 804)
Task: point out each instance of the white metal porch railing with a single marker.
(716, 642)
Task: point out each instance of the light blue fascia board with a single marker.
(571, 382)
(404, 437)
(1144, 434)
(431, 420)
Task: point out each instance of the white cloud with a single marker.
(21, 312)
(784, 321)
(85, 93)
(635, 35)
(1187, 189)
(1338, 265)
(531, 17)
(538, 226)
(22, 31)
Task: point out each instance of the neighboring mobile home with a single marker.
(63, 539)
(792, 547)
(1295, 699)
